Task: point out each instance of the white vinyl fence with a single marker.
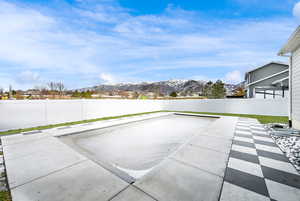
(273, 107)
(16, 114)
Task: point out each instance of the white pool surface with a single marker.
(133, 149)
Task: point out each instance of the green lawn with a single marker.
(261, 118)
(4, 196)
(69, 123)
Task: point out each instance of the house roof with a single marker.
(271, 76)
(271, 62)
(292, 44)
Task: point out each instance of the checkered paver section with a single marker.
(257, 169)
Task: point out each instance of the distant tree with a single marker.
(157, 91)
(143, 97)
(201, 87)
(173, 94)
(207, 89)
(10, 95)
(183, 93)
(240, 91)
(60, 87)
(52, 86)
(135, 95)
(56, 88)
(76, 94)
(110, 93)
(86, 94)
(218, 90)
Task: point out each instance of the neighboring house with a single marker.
(268, 81)
(292, 50)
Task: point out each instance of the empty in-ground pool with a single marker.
(132, 150)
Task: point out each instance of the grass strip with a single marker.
(15, 131)
(5, 196)
(264, 119)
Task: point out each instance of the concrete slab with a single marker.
(39, 160)
(212, 142)
(224, 127)
(205, 159)
(174, 181)
(41, 167)
(24, 148)
(85, 181)
(20, 138)
(131, 194)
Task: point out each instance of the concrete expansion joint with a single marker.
(118, 193)
(227, 162)
(202, 147)
(145, 192)
(193, 166)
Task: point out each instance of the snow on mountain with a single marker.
(186, 87)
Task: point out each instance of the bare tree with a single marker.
(60, 87)
(55, 87)
(135, 95)
(10, 92)
(52, 86)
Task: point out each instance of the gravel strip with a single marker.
(288, 141)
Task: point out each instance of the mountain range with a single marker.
(186, 87)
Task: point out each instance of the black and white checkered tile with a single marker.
(257, 169)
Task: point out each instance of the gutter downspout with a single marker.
(290, 86)
(290, 90)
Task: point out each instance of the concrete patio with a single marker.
(234, 159)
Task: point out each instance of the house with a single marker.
(268, 81)
(292, 50)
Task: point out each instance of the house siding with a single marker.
(267, 82)
(264, 72)
(295, 79)
(271, 69)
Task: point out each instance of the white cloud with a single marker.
(33, 40)
(108, 78)
(6, 80)
(233, 77)
(296, 10)
(106, 13)
(28, 77)
(107, 38)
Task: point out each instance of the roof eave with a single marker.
(290, 46)
(271, 62)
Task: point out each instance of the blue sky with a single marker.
(88, 42)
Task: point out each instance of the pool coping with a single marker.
(31, 143)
